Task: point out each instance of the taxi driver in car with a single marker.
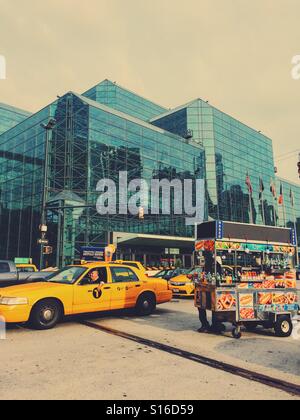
(95, 278)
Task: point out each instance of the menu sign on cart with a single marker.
(277, 301)
(255, 301)
(246, 306)
(226, 301)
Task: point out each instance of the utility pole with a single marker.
(43, 226)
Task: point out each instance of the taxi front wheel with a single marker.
(145, 305)
(45, 315)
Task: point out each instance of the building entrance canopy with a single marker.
(144, 240)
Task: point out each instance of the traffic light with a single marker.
(141, 213)
(48, 250)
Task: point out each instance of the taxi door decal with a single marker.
(97, 293)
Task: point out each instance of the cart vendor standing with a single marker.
(210, 265)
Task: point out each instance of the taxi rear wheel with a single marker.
(145, 305)
(45, 315)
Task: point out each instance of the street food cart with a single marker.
(248, 277)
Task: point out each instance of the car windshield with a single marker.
(68, 275)
(164, 273)
(161, 273)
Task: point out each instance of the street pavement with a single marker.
(77, 362)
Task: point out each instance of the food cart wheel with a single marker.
(236, 333)
(283, 326)
(251, 326)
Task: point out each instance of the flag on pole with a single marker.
(273, 189)
(249, 184)
(292, 197)
(281, 198)
(261, 188)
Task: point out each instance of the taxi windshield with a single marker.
(68, 275)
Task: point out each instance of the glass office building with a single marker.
(288, 207)
(121, 99)
(90, 142)
(11, 116)
(22, 156)
(233, 151)
(109, 130)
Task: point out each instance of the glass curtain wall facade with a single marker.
(233, 150)
(288, 209)
(10, 117)
(116, 97)
(90, 142)
(22, 156)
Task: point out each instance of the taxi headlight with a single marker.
(11, 301)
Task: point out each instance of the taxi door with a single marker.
(91, 298)
(126, 286)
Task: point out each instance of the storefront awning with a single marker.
(134, 239)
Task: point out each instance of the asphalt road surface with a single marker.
(75, 362)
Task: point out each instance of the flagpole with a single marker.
(262, 201)
(295, 226)
(251, 209)
(263, 208)
(275, 201)
(274, 211)
(282, 203)
(284, 213)
(250, 192)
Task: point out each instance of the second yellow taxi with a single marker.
(82, 289)
(184, 285)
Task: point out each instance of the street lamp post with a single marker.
(43, 226)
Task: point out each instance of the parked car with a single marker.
(11, 275)
(82, 289)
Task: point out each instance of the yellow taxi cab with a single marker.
(26, 268)
(82, 289)
(184, 284)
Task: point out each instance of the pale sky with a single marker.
(235, 53)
